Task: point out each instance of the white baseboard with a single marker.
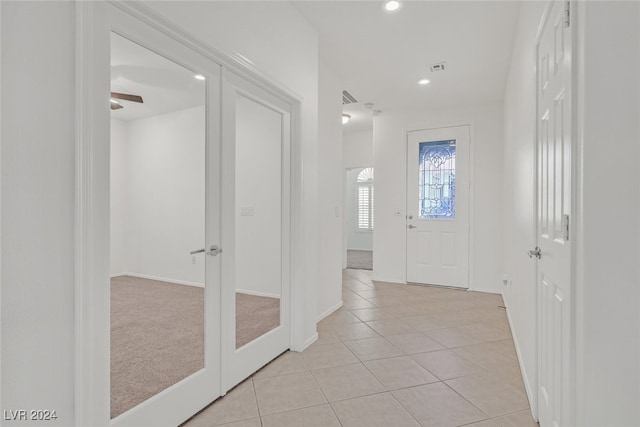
(257, 294)
(382, 279)
(486, 291)
(160, 279)
(310, 341)
(328, 312)
(533, 402)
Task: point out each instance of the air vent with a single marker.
(437, 67)
(347, 98)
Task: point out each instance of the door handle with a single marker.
(411, 226)
(214, 250)
(535, 253)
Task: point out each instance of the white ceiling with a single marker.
(381, 56)
(164, 85)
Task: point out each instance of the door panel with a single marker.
(178, 402)
(256, 200)
(438, 206)
(554, 206)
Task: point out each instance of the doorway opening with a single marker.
(360, 218)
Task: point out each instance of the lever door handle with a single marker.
(411, 226)
(214, 250)
(535, 253)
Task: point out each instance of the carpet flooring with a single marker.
(362, 260)
(255, 316)
(157, 335)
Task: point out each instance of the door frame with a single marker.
(577, 123)
(445, 125)
(91, 222)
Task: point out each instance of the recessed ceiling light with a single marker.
(423, 82)
(392, 6)
(199, 77)
(345, 118)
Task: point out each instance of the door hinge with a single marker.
(567, 14)
(565, 227)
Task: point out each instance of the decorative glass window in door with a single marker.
(365, 199)
(437, 183)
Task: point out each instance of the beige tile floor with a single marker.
(392, 356)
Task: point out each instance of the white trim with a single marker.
(160, 279)
(531, 392)
(1, 201)
(359, 249)
(229, 60)
(329, 311)
(578, 22)
(483, 290)
(394, 280)
(533, 398)
(257, 294)
(307, 343)
(91, 359)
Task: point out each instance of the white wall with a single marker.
(330, 191)
(358, 149)
(158, 196)
(37, 193)
(356, 239)
(38, 126)
(607, 293)
(518, 188)
(119, 169)
(389, 237)
(608, 282)
(282, 44)
(258, 199)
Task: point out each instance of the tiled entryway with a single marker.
(393, 356)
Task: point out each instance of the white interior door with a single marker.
(176, 403)
(256, 233)
(438, 206)
(553, 253)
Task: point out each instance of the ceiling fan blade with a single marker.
(115, 106)
(127, 97)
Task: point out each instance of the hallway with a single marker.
(394, 355)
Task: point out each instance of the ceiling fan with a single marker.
(115, 105)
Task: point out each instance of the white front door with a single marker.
(554, 206)
(438, 206)
(256, 198)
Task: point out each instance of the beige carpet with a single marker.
(361, 260)
(157, 335)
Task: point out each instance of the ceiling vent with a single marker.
(437, 67)
(347, 98)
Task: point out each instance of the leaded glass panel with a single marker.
(437, 183)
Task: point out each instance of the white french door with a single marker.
(178, 402)
(553, 251)
(244, 243)
(256, 236)
(438, 206)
